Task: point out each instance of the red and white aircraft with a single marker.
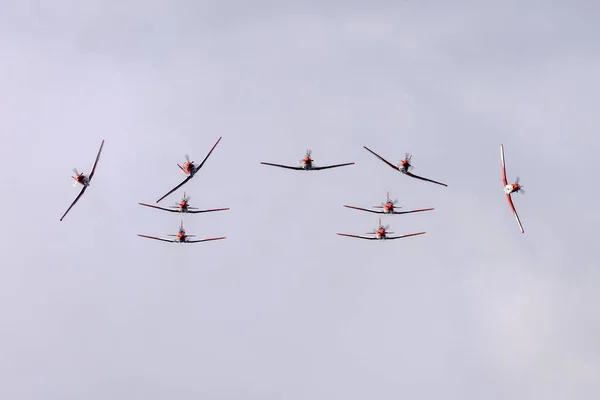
(510, 188)
(381, 234)
(405, 166)
(82, 179)
(190, 169)
(389, 207)
(181, 237)
(307, 164)
(184, 207)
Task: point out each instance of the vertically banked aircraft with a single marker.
(306, 164)
(190, 169)
(510, 188)
(404, 166)
(82, 179)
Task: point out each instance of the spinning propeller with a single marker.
(380, 226)
(75, 177)
(407, 161)
(520, 188)
(187, 158)
(387, 201)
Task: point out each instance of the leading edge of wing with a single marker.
(357, 236)
(332, 166)
(156, 238)
(382, 159)
(205, 211)
(514, 210)
(425, 179)
(281, 166)
(175, 188)
(503, 165)
(158, 208)
(412, 211)
(74, 201)
(364, 209)
(96, 162)
(209, 153)
(405, 236)
(206, 240)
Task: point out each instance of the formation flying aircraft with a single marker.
(190, 169)
(510, 188)
(184, 207)
(181, 237)
(84, 180)
(307, 164)
(381, 233)
(405, 166)
(389, 207)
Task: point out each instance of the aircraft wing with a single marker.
(365, 209)
(157, 238)
(205, 240)
(404, 236)
(209, 153)
(282, 166)
(159, 208)
(382, 159)
(96, 162)
(205, 211)
(332, 166)
(413, 211)
(357, 236)
(74, 201)
(425, 179)
(175, 188)
(514, 210)
(503, 165)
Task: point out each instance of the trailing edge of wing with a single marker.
(382, 159)
(357, 236)
(425, 179)
(175, 188)
(504, 180)
(206, 240)
(364, 209)
(514, 210)
(156, 238)
(209, 153)
(413, 211)
(282, 166)
(96, 162)
(158, 208)
(332, 166)
(205, 211)
(405, 236)
(74, 201)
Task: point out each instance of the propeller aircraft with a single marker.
(190, 168)
(510, 188)
(389, 207)
(84, 180)
(404, 166)
(181, 237)
(183, 207)
(381, 233)
(307, 164)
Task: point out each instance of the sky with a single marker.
(284, 308)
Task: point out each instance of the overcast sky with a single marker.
(284, 309)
